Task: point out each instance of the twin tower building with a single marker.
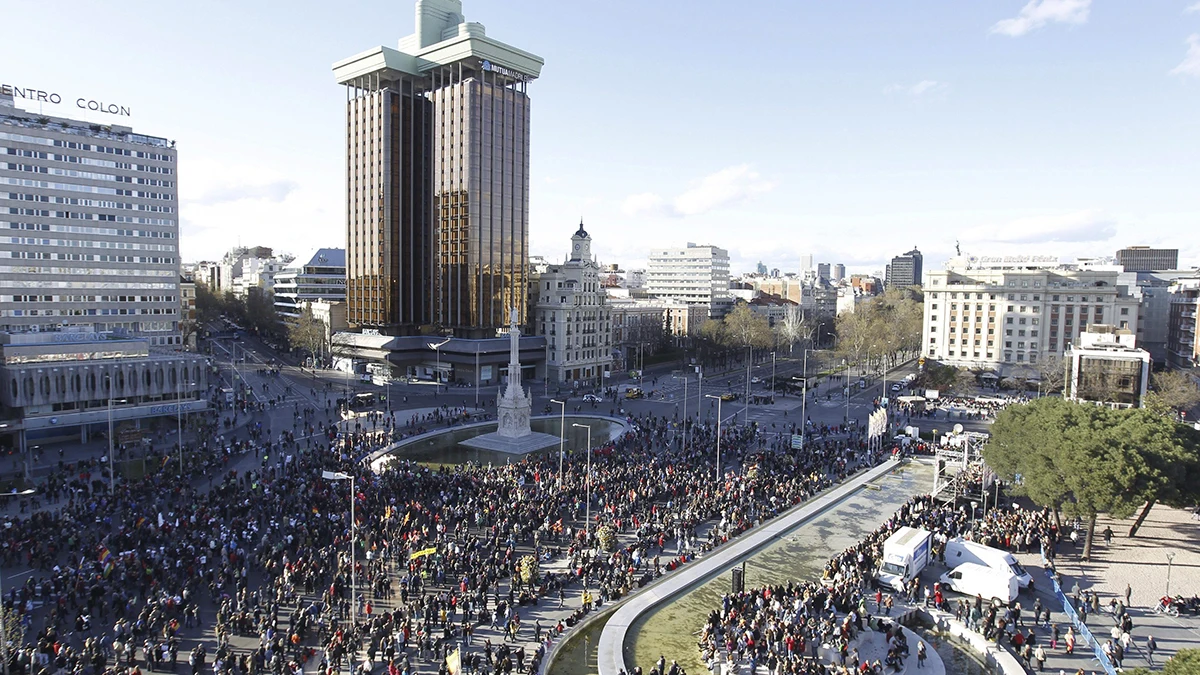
(437, 180)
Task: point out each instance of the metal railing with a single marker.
(1085, 633)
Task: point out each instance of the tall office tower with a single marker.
(1146, 259)
(806, 263)
(904, 270)
(437, 194)
(823, 271)
(839, 272)
(95, 233)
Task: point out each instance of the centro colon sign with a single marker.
(40, 96)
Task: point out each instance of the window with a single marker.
(1008, 332)
(1021, 321)
(1021, 333)
(1124, 311)
(933, 306)
(1008, 344)
(1024, 298)
(1054, 298)
(1010, 308)
(1033, 333)
(1008, 320)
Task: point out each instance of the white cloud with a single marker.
(1038, 13)
(1091, 225)
(1192, 8)
(1191, 62)
(922, 87)
(715, 191)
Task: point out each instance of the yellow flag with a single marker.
(423, 552)
(454, 663)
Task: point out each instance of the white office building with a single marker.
(697, 275)
(570, 309)
(90, 214)
(1007, 314)
(1105, 366)
(320, 275)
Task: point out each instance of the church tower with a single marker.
(581, 244)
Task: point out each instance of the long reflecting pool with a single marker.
(673, 629)
(444, 448)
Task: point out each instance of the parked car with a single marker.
(591, 398)
(896, 387)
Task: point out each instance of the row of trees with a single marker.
(885, 328)
(256, 313)
(1082, 460)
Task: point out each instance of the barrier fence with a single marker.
(1081, 628)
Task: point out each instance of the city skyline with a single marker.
(1010, 128)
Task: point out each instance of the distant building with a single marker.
(1013, 315)
(824, 272)
(570, 309)
(904, 270)
(839, 272)
(1104, 366)
(187, 312)
(1183, 338)
(1146, 259)
(332, 314)
(761, 269)
(695, 274)
(1153, 293)
(806, 263)
(320, 275)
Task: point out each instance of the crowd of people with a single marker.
(124, 581)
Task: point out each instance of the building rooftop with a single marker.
(12, 116)
(443, 36)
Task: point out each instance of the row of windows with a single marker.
(74, 145)
(89, 175)
(89, 298)
(89, 161)
(83, 229)
(144, 311)
(86, 257)
(82, 271)
(124, 245)
(73, 187)
(97, 203)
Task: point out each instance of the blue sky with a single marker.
(851, 130)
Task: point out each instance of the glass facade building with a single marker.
(438, 179)
(89, 230)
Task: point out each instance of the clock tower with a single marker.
(581, 244)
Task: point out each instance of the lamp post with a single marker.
(685, 397)
(1170, 559)
(718, 434)
(772, 377)
(178, 420)
(699, 391)
(847, 391)
(562, 435)
(588, 481)
(3, 627)
(804, 401)
(437, 373)
(338, 475)
(746, 403)
(112, 468)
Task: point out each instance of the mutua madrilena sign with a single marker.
(42, 96)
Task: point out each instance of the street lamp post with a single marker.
(847, 392)
(1170, 559)
(746, 403)
(588, 480)
(685, 397)
(718, 434)
(178, 420)
(562, 435)
(804, 402)
(112, 468)
(338, 475)
(437, 373)
(3, 627)
(772, 377)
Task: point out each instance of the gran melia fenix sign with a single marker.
(40, 96)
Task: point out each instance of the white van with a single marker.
(972, 579)
(959, 551)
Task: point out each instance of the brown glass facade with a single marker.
(389, 200)
(481, 197)
(437, 201)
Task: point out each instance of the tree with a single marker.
(309, 332)
(1051, 373)
(793, 328)
(746, 328)
(1174, 390)
(1085, 459)
(1184, 662)
(209, 306)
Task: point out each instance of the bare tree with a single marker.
(793, 328)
